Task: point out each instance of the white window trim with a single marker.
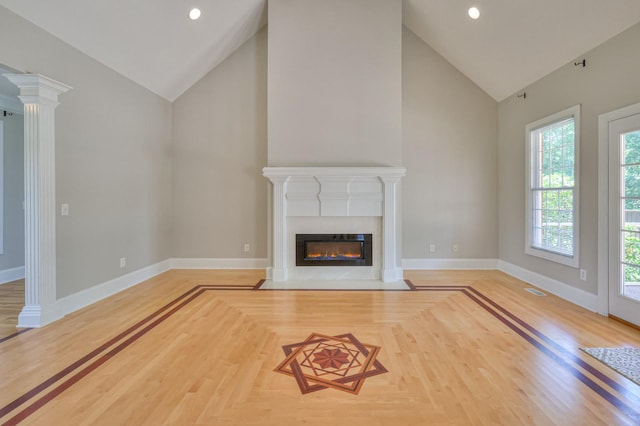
(573, 261)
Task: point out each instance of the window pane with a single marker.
(552, 227)
(565, 199)
(632, 148)
(631, 274)
(631, 246)
(631, 285)
(567, 177)
(632, 204)
(631, 176)
(554, 148)
(631, 215)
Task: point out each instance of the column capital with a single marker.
(37, 88)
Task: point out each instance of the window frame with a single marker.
(574, 260)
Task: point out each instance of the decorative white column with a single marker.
(390, 229)
(39, 94)
(279, 268)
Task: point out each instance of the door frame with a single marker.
(603, 201)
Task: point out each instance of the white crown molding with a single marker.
(12, 274)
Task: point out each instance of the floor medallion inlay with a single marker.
(338, 362)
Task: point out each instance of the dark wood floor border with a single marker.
(16, 334)
(32, 393)
(136, 331)
(575, 358)
(97, 363)
(410, 285)
(479, 298)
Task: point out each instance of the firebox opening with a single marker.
(333, 250)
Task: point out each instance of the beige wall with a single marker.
(449, 147)
(335, 82)
(132, 194)
(220, 148)
(609, 81)
(13, 254)
(113, 164)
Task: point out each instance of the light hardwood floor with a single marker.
(11, 302)
(200, 347)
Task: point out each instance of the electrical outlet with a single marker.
(455, 248)
(123, 262)
(432, 248)
(247, 247)
(583, 274)
(64, 209)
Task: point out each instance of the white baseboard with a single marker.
(34, 317)
(226, 263)
(98, 292)
(83, 298)
(12, 274)
(429, 264)
(572, 294)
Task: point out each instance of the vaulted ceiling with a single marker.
(152, 42)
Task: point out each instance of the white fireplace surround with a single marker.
(327, 192)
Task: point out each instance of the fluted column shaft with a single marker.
(39, 94)
(280, 267)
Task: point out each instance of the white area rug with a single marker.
(625, 361)
(334, 285)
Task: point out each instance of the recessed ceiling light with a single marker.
(474, 13)
(194, 13)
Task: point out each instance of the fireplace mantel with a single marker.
(335, 192)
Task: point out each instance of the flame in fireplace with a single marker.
(333, 256)
(333, 250)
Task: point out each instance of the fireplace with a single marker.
(340, 201)
(334, 250)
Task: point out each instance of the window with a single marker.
(552, 187)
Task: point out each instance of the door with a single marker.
(624, 218)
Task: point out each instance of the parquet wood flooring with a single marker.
(200, 347)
